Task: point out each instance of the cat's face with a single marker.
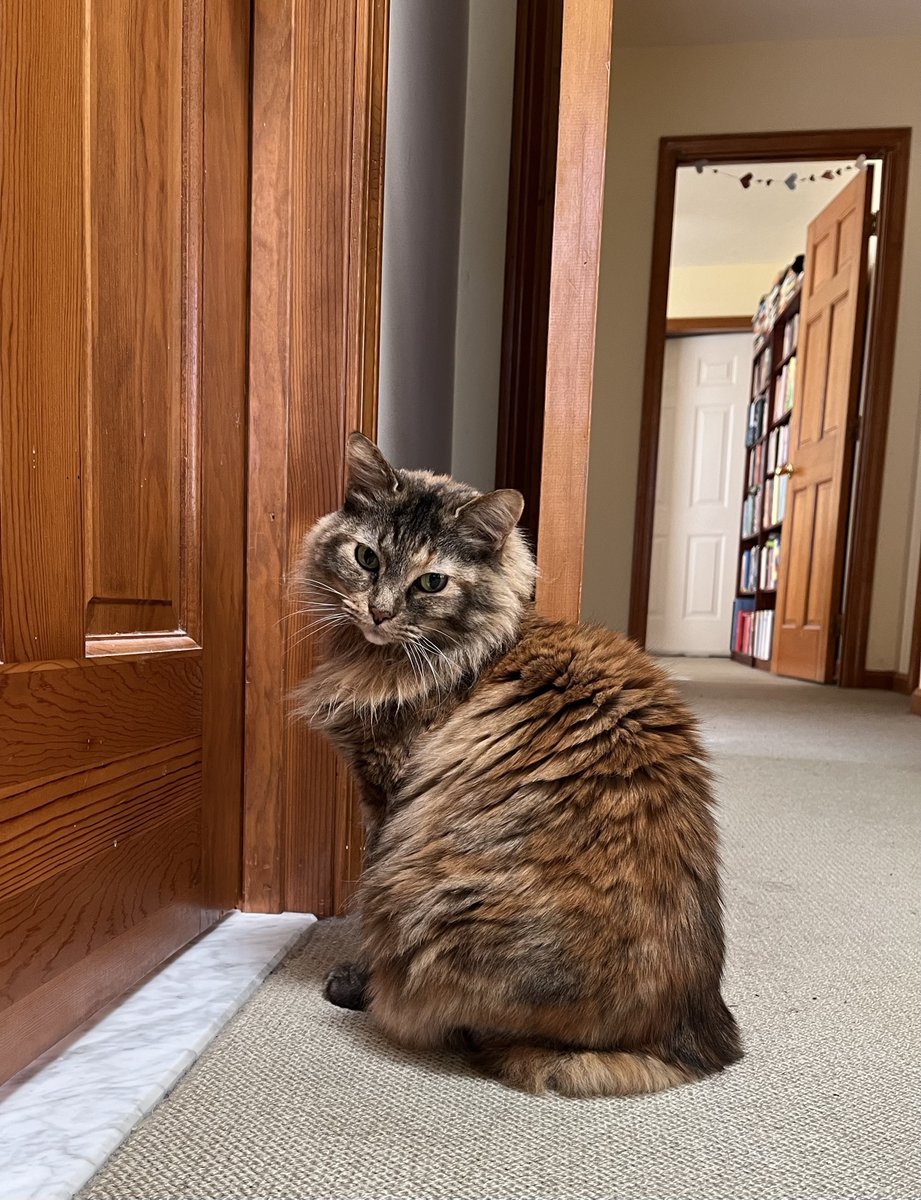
(416, 559)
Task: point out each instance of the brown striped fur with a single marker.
(542, 882)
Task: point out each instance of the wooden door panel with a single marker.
(55, 924)
(70, 719)
(833, 313)
(42, 306)
(120, 677)
(143, 213)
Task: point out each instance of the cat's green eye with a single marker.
(365, 557)
(431, 581)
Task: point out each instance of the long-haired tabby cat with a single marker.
(541, 884)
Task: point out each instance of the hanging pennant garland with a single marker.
(791, 181)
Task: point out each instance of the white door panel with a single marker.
(701, 459)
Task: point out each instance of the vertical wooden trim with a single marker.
(188, 467)
(269, 375)
(364, 321)
(579, 200)
(223, 334)
(868, 492)
(892, 146)
(647, 464)
(916, 702)
(914, 661)
(367, 213)
(529, 238)
(318, 88)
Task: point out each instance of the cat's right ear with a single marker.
(367, 473)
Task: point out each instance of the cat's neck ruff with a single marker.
(359, 679)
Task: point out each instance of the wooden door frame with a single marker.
(319, 87)
(556, 198)
(912, 683)
(892, 146)
(704, 326)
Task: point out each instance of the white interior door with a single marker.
(698, 493)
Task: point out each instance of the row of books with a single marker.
(765, 506)
(769, 563)
(778, 448)
(752, 629)
(757, 420)
(751, 514)
(761, 375)
(748, 570)
(790, 335)
(774, 501)
(786, 284)
(755, 466)
(783, 389)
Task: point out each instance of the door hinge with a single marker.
(874, 224)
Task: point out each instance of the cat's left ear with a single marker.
(367, 472)
(491, 518)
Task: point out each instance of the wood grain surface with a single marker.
(581, 138)
(313, 353)
(123, 373)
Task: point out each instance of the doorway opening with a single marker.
(761, 449)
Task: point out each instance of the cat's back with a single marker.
(580, 691)
(571, 712)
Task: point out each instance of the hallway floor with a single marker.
(820, 804)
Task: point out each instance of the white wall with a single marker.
(426, 101)
(664, 91)
(484, 218)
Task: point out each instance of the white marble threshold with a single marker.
(63, 1115)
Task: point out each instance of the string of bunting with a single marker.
(792, 181)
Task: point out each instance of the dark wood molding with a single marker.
(318, 125)
(882, 681)
(529, 243)
(914, 658)
(892, 147)
(901, 683)
(916, 702)
(698, 326)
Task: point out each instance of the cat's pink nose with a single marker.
(380, 614)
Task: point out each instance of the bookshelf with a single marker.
(767, 469)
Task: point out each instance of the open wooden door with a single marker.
(823, 436)
(123, 258)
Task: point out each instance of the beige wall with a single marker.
(733, 89)
(721, 290)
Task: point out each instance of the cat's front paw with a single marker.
(346, 986)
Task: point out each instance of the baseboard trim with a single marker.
(881, 680)
(916, 702)
(901, 683)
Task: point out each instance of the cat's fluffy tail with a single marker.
(579, 1073)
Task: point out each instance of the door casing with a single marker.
(892, 147)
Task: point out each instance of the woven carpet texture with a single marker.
(820, 805)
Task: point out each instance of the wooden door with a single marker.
(823, 435)
(698, 483)
(123, 241)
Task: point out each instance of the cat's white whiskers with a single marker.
(326, 587)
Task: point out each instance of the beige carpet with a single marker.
(821, 809)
